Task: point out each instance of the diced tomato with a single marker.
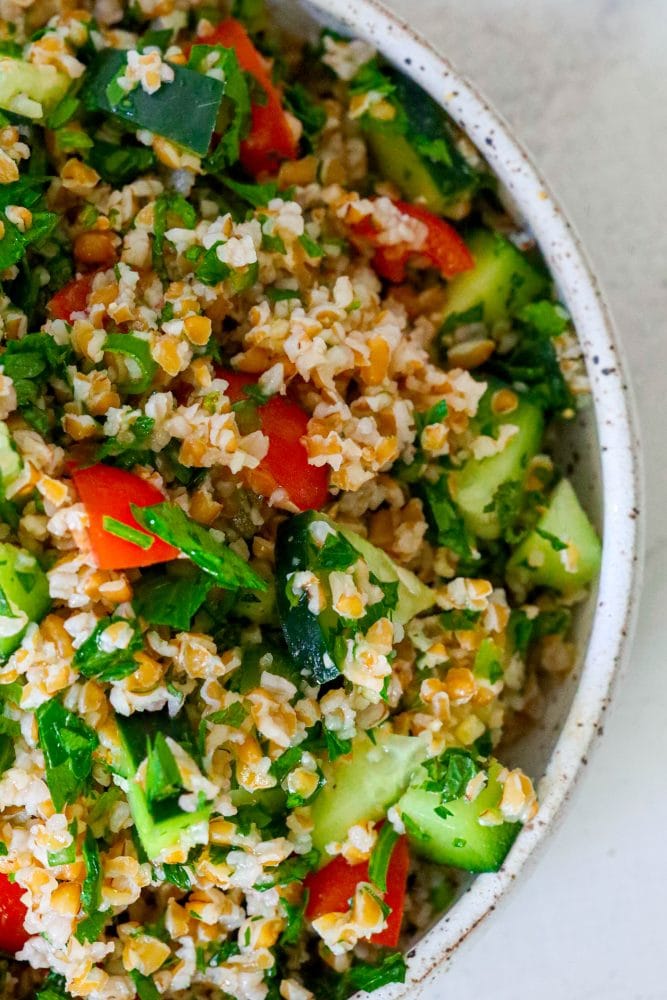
(108, 492)
(331, 888)
(270, 139)
(443, 246)
(12, 916)
(73, 297)
(286, 462)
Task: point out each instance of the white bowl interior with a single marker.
(599, 451)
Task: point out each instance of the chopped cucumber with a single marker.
(363, 785)
(162, 826)
(416, 150)
(28, 90)
(413, 595)
(24, 595)
(317, 636)
(474, 486)
(10, 460)
(563, 552)
(163, 111)
(502, 281)
(459, 839)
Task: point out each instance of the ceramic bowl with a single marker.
(600, 451)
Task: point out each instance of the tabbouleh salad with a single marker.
(283, 553)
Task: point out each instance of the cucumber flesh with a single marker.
(24, 595)
(413, 595)
(501, 282)
(458, 840)
(161, 826)
(538, 562)
(416, 150)
(362, 786)
(10, 460)
(474, 486)
(29, 90)
(400, 162)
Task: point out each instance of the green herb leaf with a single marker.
(312, 115)
(533, 362)
(91, 890)
(53, 988)
(163, 779)
(68, 745)
(125, 531)
(368, 977)
(178, 875)
(449, 774)
(447, 527)
(282, 294)
(98, 657)
(434, 415)
(313, 249)
(459, 619)
(161, 599)
(169, 522)
(67, 856)
(234, 715)
(378, 865)
(131, 448)
(139, 363)
(90, 928)
(293, 869)
(119, 165)
(257, 195)
(146, 988)
(554, 541)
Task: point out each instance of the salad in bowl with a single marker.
(285, 555)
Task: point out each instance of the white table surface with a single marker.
(584, 83)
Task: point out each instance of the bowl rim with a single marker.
(619, 453)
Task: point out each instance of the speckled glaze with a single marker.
(601, 452)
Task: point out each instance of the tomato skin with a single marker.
(270, 139)
(106, 491)
(13, 934)
(286, 462)
(443, 246)
(331, 888)
(72, 297)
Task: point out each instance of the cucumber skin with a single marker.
(309, 637)
(566, 519)
(35, 602)
(502, 281)
(485, 848)
(162, 112)
(474, 485)
(306, 637)
(159, 828)
(363, 785)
